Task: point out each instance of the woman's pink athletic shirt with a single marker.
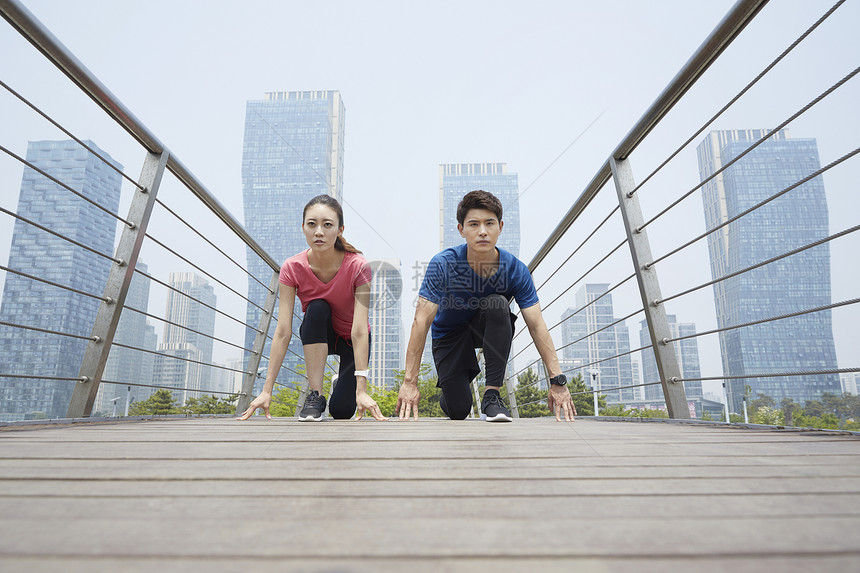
(339, 292)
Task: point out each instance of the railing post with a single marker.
(259, 344)
(649, 289)
(116, 289)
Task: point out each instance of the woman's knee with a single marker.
(341, 411)
(318, 308)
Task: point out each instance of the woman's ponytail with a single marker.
(341, 244)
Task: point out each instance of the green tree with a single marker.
(160, 403)
(583, 398)
(387, 400)
(769, 416)
(531, 400)
(209, 404)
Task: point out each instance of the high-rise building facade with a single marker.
(186, 347)
(125, 364)
(686, 351)
(292, 152)
(457, 179)
(604, 356)
(802, 281)
(35, 304)
(386, 324)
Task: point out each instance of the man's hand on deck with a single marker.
(407, 401)
(559, 402)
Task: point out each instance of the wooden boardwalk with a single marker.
(214, 494)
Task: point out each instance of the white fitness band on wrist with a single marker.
(362, 372)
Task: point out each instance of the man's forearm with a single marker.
(414, 351)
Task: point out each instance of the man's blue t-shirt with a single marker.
(451, 284)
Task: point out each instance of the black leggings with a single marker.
(491, 328)
(316, 328)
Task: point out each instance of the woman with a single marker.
(332, 281)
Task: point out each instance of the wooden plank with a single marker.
(433, 494)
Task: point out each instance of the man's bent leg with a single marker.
(456, 399)
(496, 337)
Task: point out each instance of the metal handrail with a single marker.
(724, 34)
(43, 40)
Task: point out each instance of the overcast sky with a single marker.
(436, 82)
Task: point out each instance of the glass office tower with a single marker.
(457, 179)
(386, 324)
(600, 358)
(686, 351)
(33, 251)
(293, 151)
(795, 283)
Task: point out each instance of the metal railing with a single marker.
(624, 211)
(135, 232)
(627, 212)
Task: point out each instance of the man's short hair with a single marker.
(478, 200)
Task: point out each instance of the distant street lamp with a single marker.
(114, 406)
(594, 372)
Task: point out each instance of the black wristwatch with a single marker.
(560, 380)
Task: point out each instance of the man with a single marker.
(465, 297)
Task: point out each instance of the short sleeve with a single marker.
(287, 275)
(525, 293)
(363, 274)
(433, 285)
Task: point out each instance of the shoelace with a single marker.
(314, 400)
(494, 399)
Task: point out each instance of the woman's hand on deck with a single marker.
(364, 403)
(262, 401)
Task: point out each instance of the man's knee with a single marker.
(495, 303)
(459, 411)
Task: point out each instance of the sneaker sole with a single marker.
(497, 418)
(310, 419)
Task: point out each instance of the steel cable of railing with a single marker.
(593, 301)
(558, 268)
(35, 377)
(586, 273)
(738, 96)
(106, 299)
(44, 173)
(47, 331)
(220, 282)
(565, 291)
(196, 390)
(186, 328)
(749, 149)
(597, 391)
(581, 366)
(61, 236)
(163, 353)
(213, 245)
(809, 177)
(589, 335)
(185, 294)
(284, 367)
(763, 263)
(765, 320)
(772, 375)
(582, 244)
(71, 135)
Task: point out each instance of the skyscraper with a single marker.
(798, 282)
(35, 252)
(124, 364)
(293, 151)
(602, 353)
(687, 352)
(386, 326)
(192, 343)
(457, 179)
